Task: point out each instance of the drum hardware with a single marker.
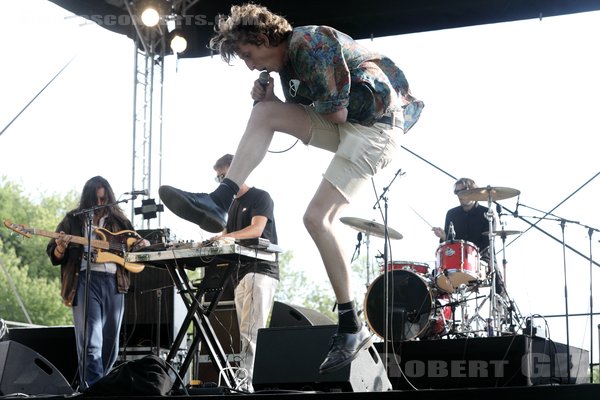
(416, 267)
(371, 227)
(490, 194)
(457, 263)
(503, 234)
(417, 312)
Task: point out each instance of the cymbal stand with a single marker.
(503, 237)
(462, 299)
(512, 315)
(493, 310)
(476, 317)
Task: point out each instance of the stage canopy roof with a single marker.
(359, 19)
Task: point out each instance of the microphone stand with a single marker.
(563, 222)
(89, 219)
(562, 228)
(590, 232)
(386, 280)
(159, 292)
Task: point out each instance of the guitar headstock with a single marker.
(20, 229)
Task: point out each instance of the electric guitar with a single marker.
(111, 247)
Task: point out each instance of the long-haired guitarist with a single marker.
(108, 282)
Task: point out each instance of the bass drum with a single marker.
(412, 309)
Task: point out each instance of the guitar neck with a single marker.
(99, 244)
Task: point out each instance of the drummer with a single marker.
(469, 221)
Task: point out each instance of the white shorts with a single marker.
(360, 151)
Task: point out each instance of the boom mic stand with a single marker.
(563, 223)
(89, 219)
(386, 281)
(562, 229)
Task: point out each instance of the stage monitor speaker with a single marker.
(55, 343)
(150, 289)
(289, 359)
(22, 370)
(284, 315)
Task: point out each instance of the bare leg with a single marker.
(266, 118)
(321, 220)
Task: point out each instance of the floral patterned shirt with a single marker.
(330, 70)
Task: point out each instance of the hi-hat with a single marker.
(488, 193)
(502, 233)
(370, 227)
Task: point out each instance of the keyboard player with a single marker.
(250, 216)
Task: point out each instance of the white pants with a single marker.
(253, 301)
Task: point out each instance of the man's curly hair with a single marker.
(244, 25)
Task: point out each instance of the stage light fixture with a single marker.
(177, 41)
(150, 17)
(149, 209)
(151, 11)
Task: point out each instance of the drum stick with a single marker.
(420, 216)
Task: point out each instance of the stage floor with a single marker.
(578, 391)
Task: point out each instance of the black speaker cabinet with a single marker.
(151, 290)
(288, 315)
(55, 343)
(22, 370)
(289, 359)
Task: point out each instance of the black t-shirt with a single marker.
(255, 202)
(469, 225)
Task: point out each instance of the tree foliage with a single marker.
(297, 287)
(42, 214)
(27, 273)
(30, 299)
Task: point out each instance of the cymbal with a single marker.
(488, 193)
(502, 233)
(371, 227)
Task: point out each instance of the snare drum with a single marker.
(457, 263)
(418, 267)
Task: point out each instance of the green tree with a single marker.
(42, 214)
(27, 273)
(29, 299)
(296, 288)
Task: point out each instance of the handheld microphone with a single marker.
(263, 79)
(138, 192)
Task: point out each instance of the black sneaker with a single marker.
(198, 208)
(344, 348)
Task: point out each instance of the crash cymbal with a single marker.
(502, 233)
(371, 227)
(488, 193)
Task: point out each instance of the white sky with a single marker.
(513, 105)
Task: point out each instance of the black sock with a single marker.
(348, 321)
(225, 193)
